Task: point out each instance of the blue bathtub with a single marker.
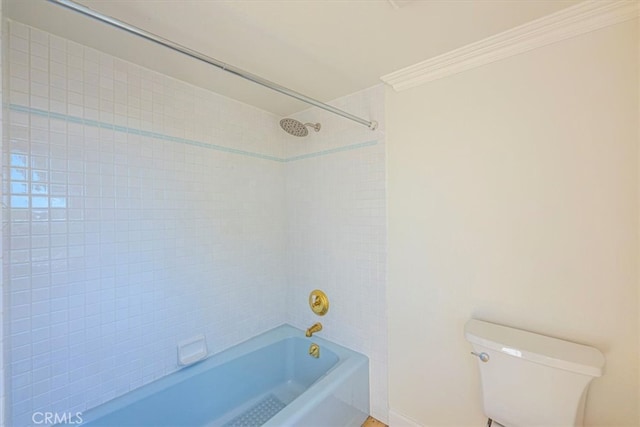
(269, 380)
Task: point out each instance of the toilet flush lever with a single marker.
(482, 356)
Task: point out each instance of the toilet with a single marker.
(530, 379)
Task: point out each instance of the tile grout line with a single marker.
(179, 140)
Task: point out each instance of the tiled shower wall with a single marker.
(3, 299)
(336, 231)
(142, 211)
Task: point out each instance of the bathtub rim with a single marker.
(348, 361)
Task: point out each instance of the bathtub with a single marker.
(269, 380)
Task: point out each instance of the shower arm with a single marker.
(211, 61)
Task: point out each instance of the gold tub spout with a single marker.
(316, 327)
(314, 350)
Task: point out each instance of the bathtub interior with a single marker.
(247, 390)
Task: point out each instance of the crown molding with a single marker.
(582, 18)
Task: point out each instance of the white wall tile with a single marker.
(4, 78)
(121, 244)
(336, 218)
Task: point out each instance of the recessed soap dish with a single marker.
(192, 350)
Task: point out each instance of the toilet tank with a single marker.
(530, 379)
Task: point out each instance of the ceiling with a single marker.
(324, 49)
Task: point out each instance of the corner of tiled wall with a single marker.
(336, 216)
(3, 299)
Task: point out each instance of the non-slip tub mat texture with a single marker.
(258, 414)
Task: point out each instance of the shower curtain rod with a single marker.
(212, 61)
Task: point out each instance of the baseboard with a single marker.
(399, 420)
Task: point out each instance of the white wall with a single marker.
(143, 211)
(336, 231)
(513, 197)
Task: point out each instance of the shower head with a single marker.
(296, 128)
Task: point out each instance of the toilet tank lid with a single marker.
(536, 348)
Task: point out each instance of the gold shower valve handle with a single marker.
(319, 302)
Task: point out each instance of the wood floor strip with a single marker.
(372, 422)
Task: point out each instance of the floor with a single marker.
(372, 422)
